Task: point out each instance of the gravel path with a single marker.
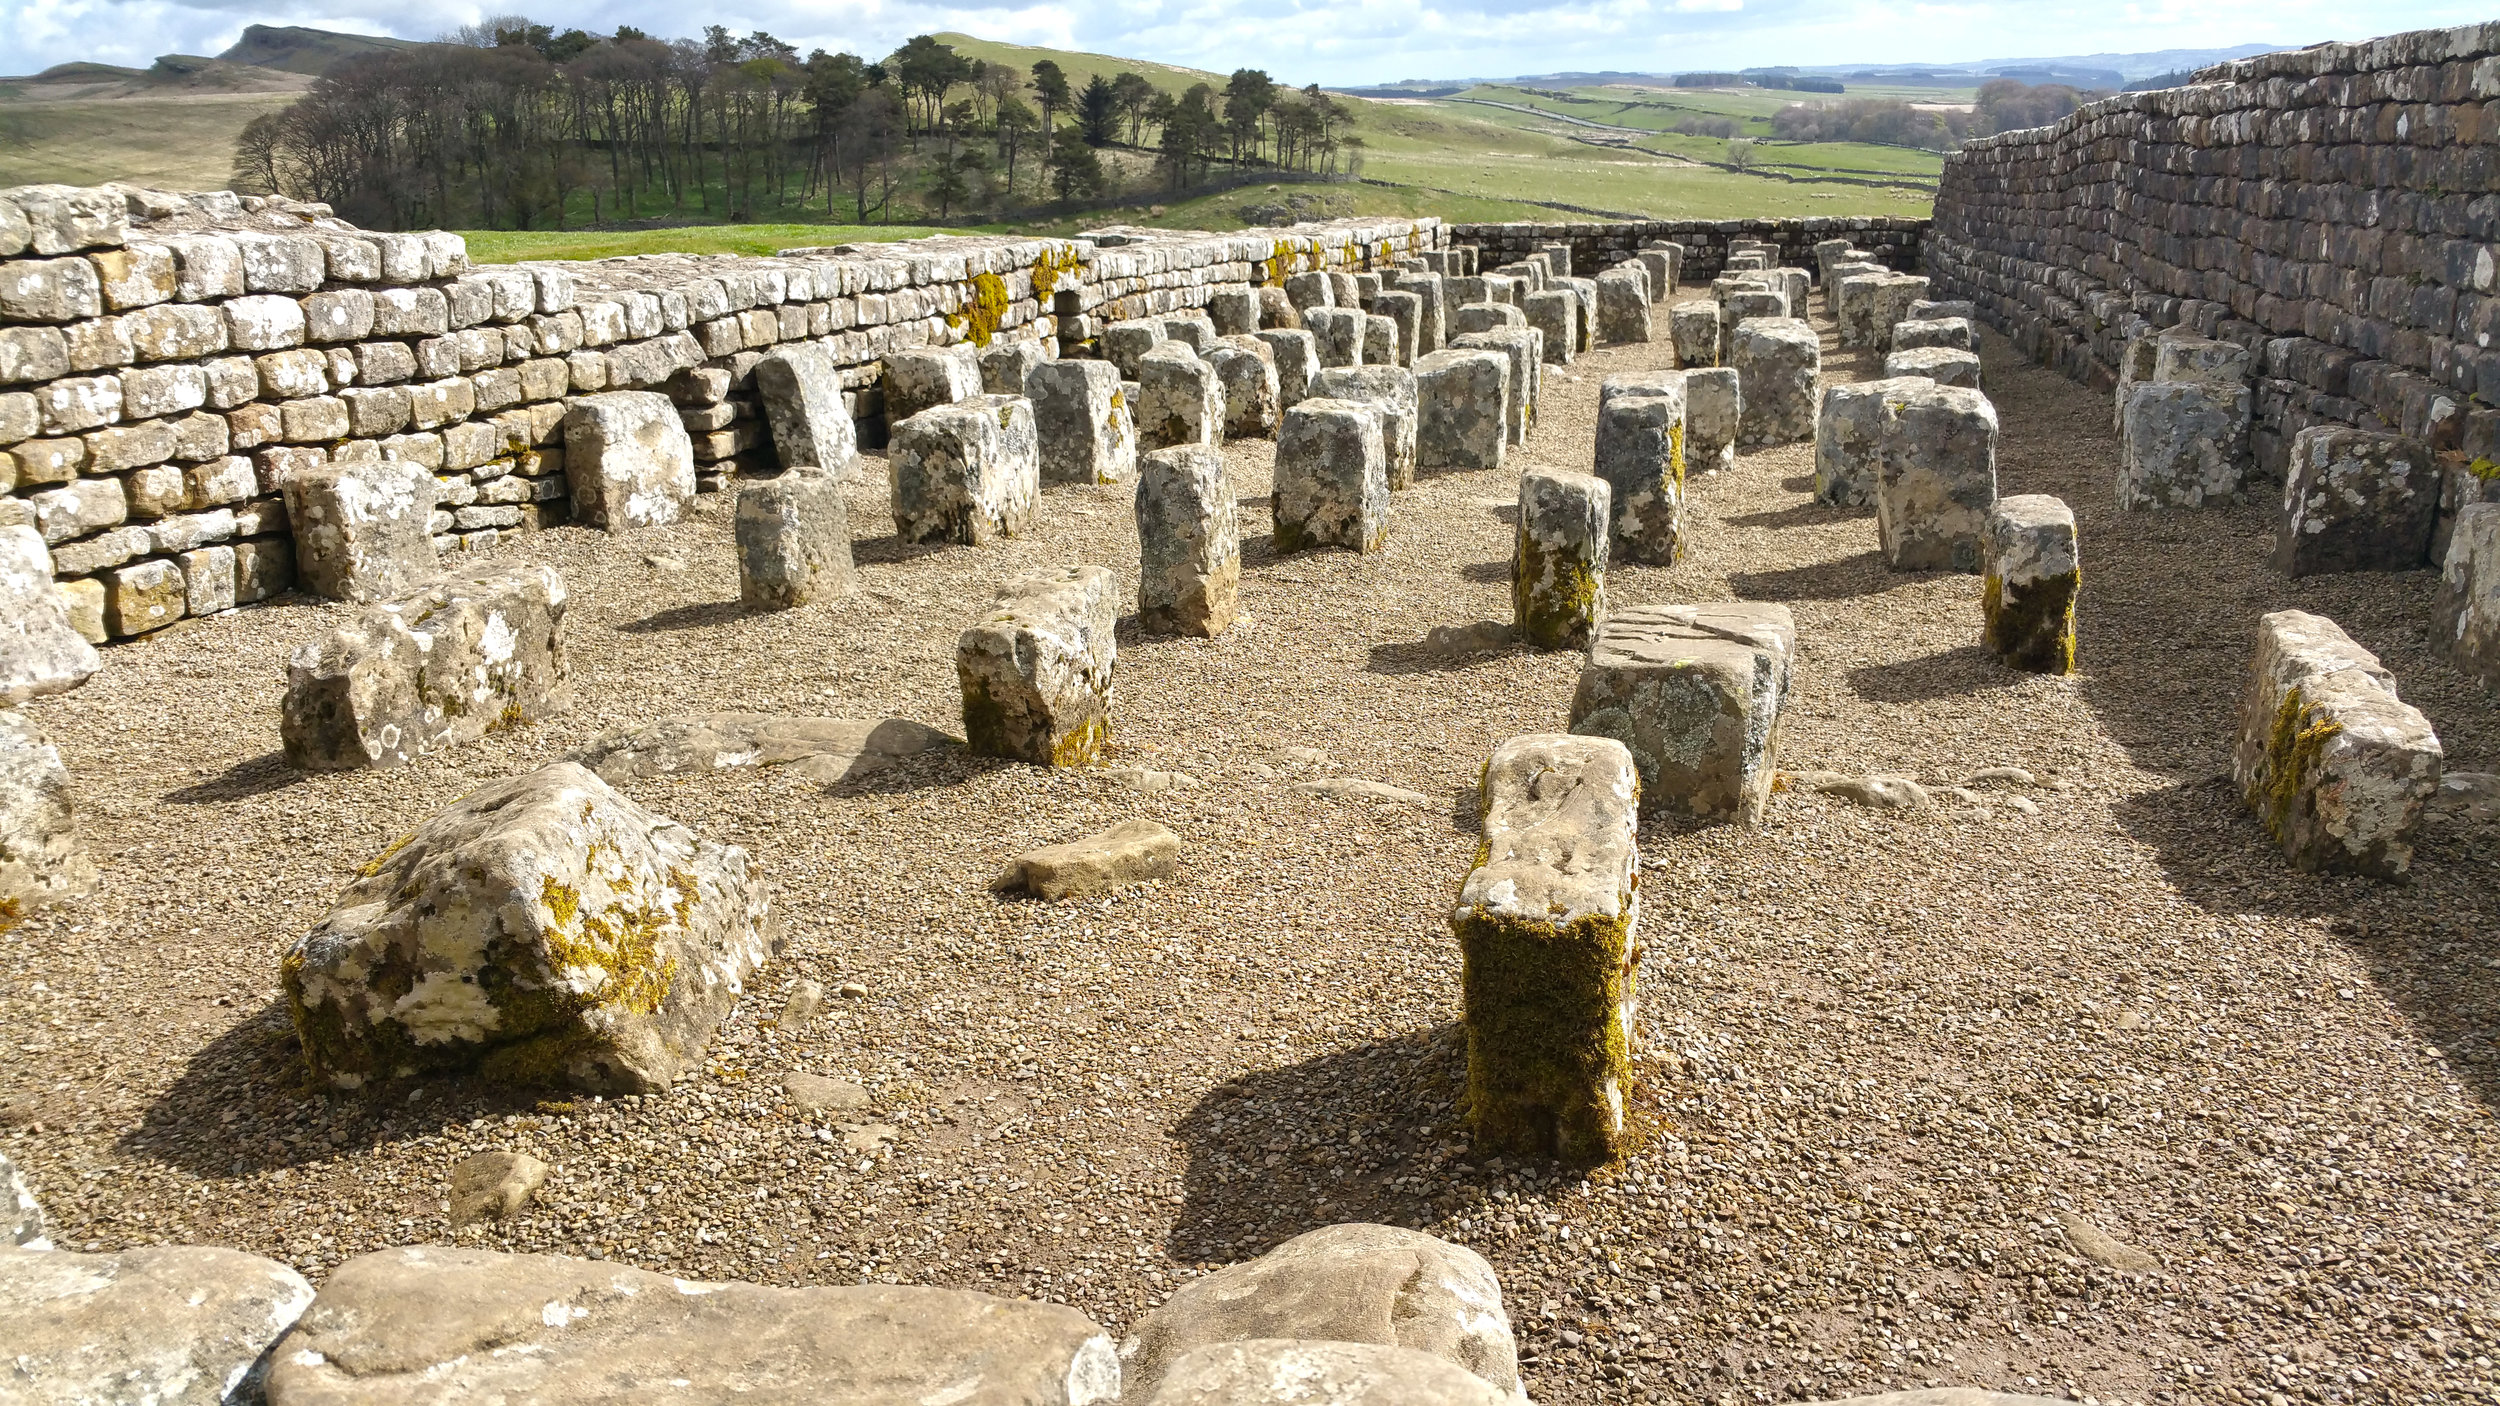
(1892, 1054)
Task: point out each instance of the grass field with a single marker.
(504, 246)
(1642, 109)
(183, 142)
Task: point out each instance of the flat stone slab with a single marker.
(1301, 1372)
(821, 749)
(180, 1325)
(1131, 852)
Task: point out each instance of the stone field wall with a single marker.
(2334, 209)
(167, 360)
(1894, 241)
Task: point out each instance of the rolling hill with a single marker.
(293, 49)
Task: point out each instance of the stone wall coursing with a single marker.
(2335, 209)
(1893, 240)
(167, 360)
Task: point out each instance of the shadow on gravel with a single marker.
(1445, 650)
(1842, 578)
(244, 1104)
(1800, 515)
(253, 776)
(685, 617)
(886, 550)
(1952, 674)
(1486, 572)
(1359, 1135)
(932, 770)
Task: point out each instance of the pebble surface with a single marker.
(2062, 1083)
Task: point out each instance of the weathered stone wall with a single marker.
(1893, 240)
(2334, 209)
(166, 361)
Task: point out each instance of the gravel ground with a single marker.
(1892, 1056)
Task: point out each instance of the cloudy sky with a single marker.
(1300, 40)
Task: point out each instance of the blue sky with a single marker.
(1336, 43)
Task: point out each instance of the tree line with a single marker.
(510, 124)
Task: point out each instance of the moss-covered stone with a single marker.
(1036, 670)
(1558, 561)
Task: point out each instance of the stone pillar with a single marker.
(1036, 670)
(1523, 346)
(1661, 264)
(1888, 303)
(1125, 344)
(1946, 366)
(1777, 361)
(1695, 693)
(1695, 327)
(2336, 767)
(2357, 500)
(1583, 327)
(1082, 424)
(2465, 616)
(1178, 399)
(1245, 372)
(1485, 317)
(1558, 559)
(794, 539)
(1714, 409)
(1337, 333)
(1332, 477)
(921, 377)
(1380, 341)
(1234, 311)
(1853, 302)
(43, 859)
(1557, 259)
(1556, 314)
(1432, 311)
(2182, 445)
(1460, 414)
(1623, 305)
(968, 472)
(2034, 574)
(1188, 543)
(1297, 361)
(1935, 477)
(1911, 333)
(1548, 934)
(1392, 388)
(1192, 329)
(1640, 455)
(362, 529)
(1004, 365)
(1849, 439)
(801, 387)
(1310, 290)
(1405, 312)
(1276, 311)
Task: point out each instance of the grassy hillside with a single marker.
(503, 246)
(182, 141)
(292, 49)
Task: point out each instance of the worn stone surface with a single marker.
(794, 540)
(1777, 361)
(432, 1324)
(1714, 412)
(2465, 615)
(1556, 314)
(1848, 440)
(969, 472)
(492, 1185)
(362, 531)
(178, 1325)
(1946, 366)
(822, 749)
(1460, 396)
(471, 652)
(1888, 304)
(1245, 374)
(1124, 344)
(801, 387)
(1623, 305)
(2182, 445)
(1558, 557)
(1485, 317)
(1081, 422)
(1404, 312)
(1336, 333)
(40, 651)
(1297, 361)
(1371, 1284)
(1695, 693)
(42, 858)
(1547, 926)
(1524, 346)
(1640, 455)
(1131, 852)
(2034, 573)
(1914, 331)
(1006, 365)
(21, 1217)
(1036, 669)
(543, 929)
(922, 378)
(1302, 1372)
(1695, 328)
(1188, 543)
(1233, 311)
(2336, 767)
(1392, 388)
(2357, 500)
(1332, 476)
(1935, 477)
(1310, 290)
(628, 459)
(1179, 399)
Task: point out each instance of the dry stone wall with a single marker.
(169, 361)
(1894, 241)
(2336, 210)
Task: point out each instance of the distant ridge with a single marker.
(294, 49)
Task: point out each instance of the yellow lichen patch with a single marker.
(989, 307)
(375, 867)
(1053, 265)
(2292, 750)
(2483, 468)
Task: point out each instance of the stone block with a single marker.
(2181, 357)
(2336, 767)
(435, 669)
(66, 219)
(78, 509)
(1310, 290)
(543, 929)
(1460, 409)
(1404, 312)
(1935, 477)
(1640, 456)
(1852, 298)
(1558, 557)
(1556, 314)
(143, 596)
(1332, 476)
(361, 528)
(1914, 332)
(207, 580)
(1192, 329)
(969, 472)
(1276, 310)
(1392, 389)
(801, 388)
(1623, 305)
(1777, 361)
(437, 1324)
(1946, 366)
(1081, 421)
(2183, 445)
(40, 652)
(42, 857)
(1124, 344)
(1336, 333)
(2034, 573)
(49, 290)
(1714, 408)
(1037, 669)
(1245, 374)
(1297, 361)
(1484, 317)
(628, 460)
(2356, 500)
(1188, 543)
(1695, 693)
(1695, 329)
(1432, 309)
(1005, 364)
(1524, 346)
(1665, 265)
(1179, 399)
(794, 539)
(1943, 309)
(1888, 303)
(924, 377)
(2465, 615)
(169, 1325)
(1234, 311)
(1548, 935)
(1848, 440)
(263, 567)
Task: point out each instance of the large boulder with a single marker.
(967, 472)
(1353, 1283)
(1302, 1372)
(430, 1324)
(470, 653)
(543, 929)
(794, 539)
(2337, 767)
(628, 459)
(801, 387)
(363, 530)
(176, 1325)
(1036, 670)
(42, 859)
(40, 651)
